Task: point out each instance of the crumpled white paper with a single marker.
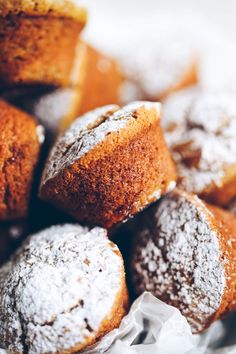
(152, 326)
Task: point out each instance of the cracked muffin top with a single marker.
(59, 8)
(58, 289)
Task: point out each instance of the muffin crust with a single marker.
(109, 165)
(63, 290)
(20, 140)
(184, 254)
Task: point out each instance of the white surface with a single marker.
(168, 332)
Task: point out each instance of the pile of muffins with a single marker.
(83, 170)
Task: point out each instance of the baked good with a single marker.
(38, 41)
(62, 291)
(110, 164)
(20, 141)
(54, 108)
(200, 129)
(184, 253)
(158, 69)
(102, 82)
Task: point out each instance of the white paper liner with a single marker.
(152, 326)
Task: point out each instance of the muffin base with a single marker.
(37, 49)
(225, 223)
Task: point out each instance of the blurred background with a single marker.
(210, 25)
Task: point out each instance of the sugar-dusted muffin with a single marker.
(62, 291)
(184, 253)
(156, 69)
(110, 164)
(38, 41)
(200, 129)
(20, 141)
(102, 83)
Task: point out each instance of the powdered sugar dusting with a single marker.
(57, 289)
(158, 67)
(87, 132)
(200, 129)
(52, 107)
(177, 258)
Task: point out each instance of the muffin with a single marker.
(184, 253)
(20, 141)
(55, 108)
(62, 291)
(157, 69)
(38, 41)
(102, 82)
(200, 129)
(110, 164)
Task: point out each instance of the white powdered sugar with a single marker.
(157, 67)
(87, 132)
(177, 257)
(51, 108)
(200, 129)
(57, 289)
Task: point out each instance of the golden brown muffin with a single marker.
(110, 164)
(20, 141)
(157, 69)
(38, 41)
(102, 82)
(200, 129)
(54, 108)
(62, 291)
(184, 253)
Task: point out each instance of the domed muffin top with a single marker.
(58, 288)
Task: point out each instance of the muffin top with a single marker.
(57, 289)
(200, 129)
(59, 8)
(178, 256)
